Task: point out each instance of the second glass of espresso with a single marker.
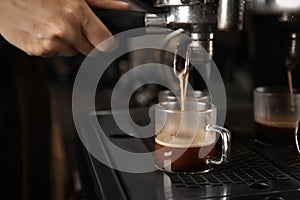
(276, 111)
(185, 140)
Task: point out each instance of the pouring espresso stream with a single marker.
(290, 82)
(183, 75)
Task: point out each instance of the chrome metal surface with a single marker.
(201, 41)
(155, 20)
(231, 15)
(207, 16)
(164, 3)
(294, 46)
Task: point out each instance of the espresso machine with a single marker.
(271, 33)
(203, 19)
(268, 32)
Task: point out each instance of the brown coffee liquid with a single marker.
(275, 132)
(290, 83)
(183, 158)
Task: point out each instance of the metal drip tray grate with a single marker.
(240, 176)
(245, 167)
(286, 158)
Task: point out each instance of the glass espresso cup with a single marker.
(275, 115)
(185, 141)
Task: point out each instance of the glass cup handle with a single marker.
(297, 135)
(225, 135)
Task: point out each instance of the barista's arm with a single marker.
(49, 27)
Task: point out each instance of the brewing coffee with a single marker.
(278, 133)
(183, 78)
(275, 115)
(176, 154)
(185, 139)
(290, 83)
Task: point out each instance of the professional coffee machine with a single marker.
(203, 18)
(268, 33)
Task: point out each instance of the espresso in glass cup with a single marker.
(275, 115)
(185, 140)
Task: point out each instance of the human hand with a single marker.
(46, 28)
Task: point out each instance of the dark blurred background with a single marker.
(37, 131)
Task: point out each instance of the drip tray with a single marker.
(245, 167)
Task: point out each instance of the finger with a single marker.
(96, 32)
(74, 35)
(77, 38)
(106, 4)
(82, 44)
